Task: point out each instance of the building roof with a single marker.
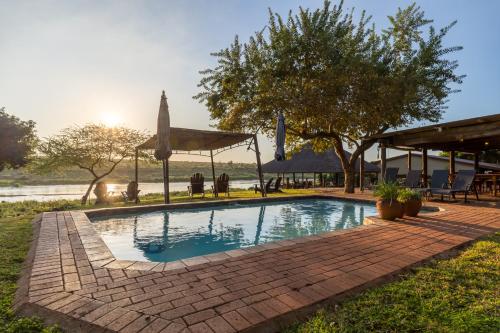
(482, 165)
(468, 135)
(187, 139)
(308, 161)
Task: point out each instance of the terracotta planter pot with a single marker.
(412, 207)
(389, 210)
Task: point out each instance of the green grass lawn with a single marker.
(457, 295)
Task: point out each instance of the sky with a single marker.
(64, 63)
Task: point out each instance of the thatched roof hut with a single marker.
(307, 161)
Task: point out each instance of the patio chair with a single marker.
(266, 187)
(269, 188)
(439, 180)
(197, 185)
(221, 185)
(391, 175)
(132, 192)
(413, 179)
(464, 183)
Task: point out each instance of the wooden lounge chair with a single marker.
(269, 188)
(391, 175)
(132, 193)
(413, 179)
(266, 187)
(197, 185)
(221, 185)
(464, 183)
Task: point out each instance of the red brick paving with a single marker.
(73, 278)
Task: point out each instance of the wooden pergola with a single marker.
(473, 135)
(202, 143)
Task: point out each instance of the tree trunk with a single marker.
(349, 179)
(86, 195)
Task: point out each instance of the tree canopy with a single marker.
(337, 80)
(95, 148)
(17, 140)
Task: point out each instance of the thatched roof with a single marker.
(187, 139)
(308, 161)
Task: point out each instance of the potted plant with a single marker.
(411, 200)
(388, 207)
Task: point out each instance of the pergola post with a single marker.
(136, 178)
(476, 162)
(314, 181)
(259, 165)
(166, 181)
(383, 161)
(424, 166)
(216, 194)
(409, 160)
(452, 165)
(362, 171)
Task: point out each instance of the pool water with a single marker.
(164, 236)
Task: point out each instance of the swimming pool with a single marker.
(164, 236)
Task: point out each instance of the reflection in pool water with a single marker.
(178, 234)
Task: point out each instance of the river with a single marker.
(55, 192)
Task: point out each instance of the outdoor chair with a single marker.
(269, 188)
(197, 185)
(221, 185)
(464, 183)
(391, 175)
(413, 179)
(439, 180)
(266, 187)
(132, 192)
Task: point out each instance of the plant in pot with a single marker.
(411, 200)
(388, 207)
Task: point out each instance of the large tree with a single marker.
(95, 148)
(17, 140)
(336, 81)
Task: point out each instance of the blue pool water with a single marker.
(178, 234)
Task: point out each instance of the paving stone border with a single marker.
(71, 278)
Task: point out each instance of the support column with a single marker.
(216, 194)
(451, 166)
(362, 171)
(166, 185)
(259, 166)
(137, 172)
(476, 162)
(314, 181)
(383, 161)
(424, 167)
(409, 160)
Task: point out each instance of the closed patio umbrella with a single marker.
(279, 155)
(163, 150)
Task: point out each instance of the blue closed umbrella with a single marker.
(279, 155)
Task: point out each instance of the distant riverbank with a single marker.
(125, 172)
(76, 191)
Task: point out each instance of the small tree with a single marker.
(95, 148)
(337, 82)
(17, 141)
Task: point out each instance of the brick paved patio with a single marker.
(72, 278)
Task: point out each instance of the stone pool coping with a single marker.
(70, 278)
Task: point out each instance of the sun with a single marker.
(110, 119)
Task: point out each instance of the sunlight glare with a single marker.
(110, 119)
